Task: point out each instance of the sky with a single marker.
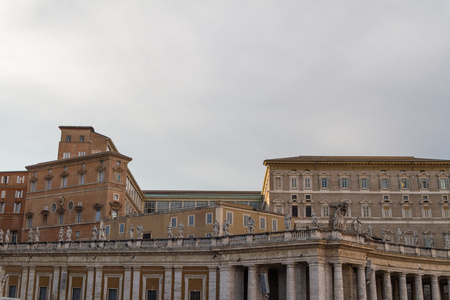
(200, 93)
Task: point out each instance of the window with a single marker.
(325, 210)
(33, 186)
(29, 222)
(150, 206)
(246, 218)
(101, 175)
(308, 211)
(44, 220)
(2, 207)
(173, 222)
(64, 181)
(121, 227)
(365, 211)
(14, 236)
(209, 218)
(384, 183)
(278, 209)
(189, 204)
(12, 291)
(82, 178)
(61, 219)
(53, 207)
(307, 183)
(20, 179)
(152, 295)
(294, 197)
(48, 184)
(274, 225)
(76, 293)
(114, 214)
(176, 205)
(78, 216)
(81, 153)
(404, 183)
(423, 183)
(445, 210)
(107, 229)
(3, 194)
(426, 207)
(409, 238)
(116, 197)
(344, 181)
(42, 293)
(277, 183)
(294, 184)
(364, 183)
(70, 205)
(294, 210)
(443, 183)
(191, 220)
(262, 223)
(194, 295)
(19, 194)
(5, 179)
(324, 183)
(98, 215)
(81, 138)
(68, 138)
(17, 206)
(66, 155)
(112, 294)
(230, 217)
(406, 210)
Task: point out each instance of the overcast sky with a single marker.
(199, 93)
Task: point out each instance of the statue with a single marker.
(140, 232)
(288, 222)
(339, 214)
(36, 235)
(3, 283)
(251, 225)
(399, 236)
(225, 228)
(369, 230)
(69, 234)
(102, 233)
(61, 235)
(2, 234)
(358, 225)
(416, 238)
(354, 226)
(7, 236)
(446, 241)
(180, 230)
(383, 234)
(314, 220)
(61, 201)
(94, 233)
(216, 226)
(169, 231)
(30, 235)
(131, 232)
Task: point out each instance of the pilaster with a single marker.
(136, 282)
(168, 283)
(31, 277)
(90, 283)
(55, 283)
(24, 283)
(98, 282)
(212, 283)
(127, 283)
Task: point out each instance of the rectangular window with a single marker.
(42, 293)
(81, 153)
(3, 194)
(33, 186)
(423, 183)
(112, 294)
(5, 179)
(29, 221)
(78, 216)
(384, 183)
(48, 184)
(101, 175)
(63, 181)
(17, 206)
(386, 211)
(277, 182)
(152, 295)
(443, 183)
(61, 219)
(66, 155)
(230, 217)
(19, 194)
(445, 211)
(81, 138)
(12, 291)
(324, 182)
(406, 211)
(114, 214)
(308, 211)
(246, 218)
(194, 295)
(98, 214)
(325, 211)
(366, 211)
(76, 294)
(209, 218)
(20, 179)
(82, 178)
(189, 204)
(307, 183)
(293, 183)
(121, 227)
(294, 210)
(176, 205)
(68, 138)
(191, 221)
(115, 196)
(262, 223)
(2, 207)
(426, 212)
(173, 221)
(107, 229)
(404, 183)
(344, 183)
(364, 183)
(274, 225)
(14, 236)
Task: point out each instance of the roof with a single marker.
(201, 194)
(354, 159)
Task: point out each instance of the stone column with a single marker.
(301, 283)
(317, 280)
(252, 289)
(212, 283)
(418, 286)
(402, 286)
(136, 282)
(373, 285)
(24, 283)
(290, 281)
(98, 282)
(387, 286)
(338, 283)
(177, 281)
(168, 283)
(435, 293)
(55, 283)
(227, 278)
(127, 283)
(31, 276)
(90, 283)
(362, 292)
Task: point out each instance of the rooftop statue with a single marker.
(288, 222)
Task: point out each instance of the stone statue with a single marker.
(61, 235)
(399, 236)
(339, 214)
(169, 231)
(353, 225)
(131, 232)
(369, 230)
(446, 241)
(61, 201)
(288, 222)
(30, 235)
(358, 225)
(140, 232)
(8, 236)
(102, 233)
(216, 226)
(2, 234)
(3, 283)
(383, 234)
(314, 220)
(416, 238)
(225, 228)
(180, 230)
(69, 234)
(36, 235)
(251, 225)
(94, 233)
